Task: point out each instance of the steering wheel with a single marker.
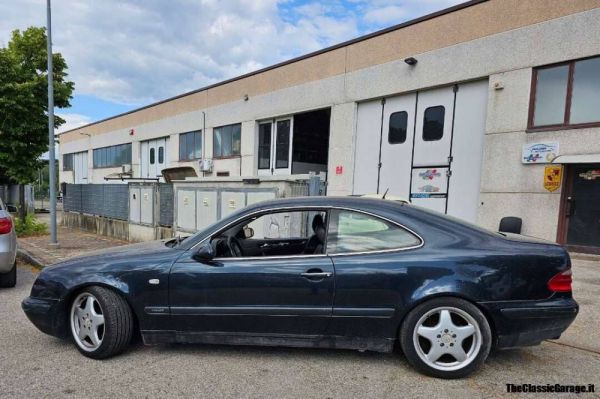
(234, 246)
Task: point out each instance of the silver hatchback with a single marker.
(8, 249)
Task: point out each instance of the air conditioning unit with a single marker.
(126, 169)
(206, 165)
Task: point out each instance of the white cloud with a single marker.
(72, 121)
(140, 51)
(385, 15)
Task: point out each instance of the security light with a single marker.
(412, 61)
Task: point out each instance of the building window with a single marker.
(227, 141)
(264, 145)
(152, 156)
(161, 155)
(190, 146)
(111, 157)
(566, 95)
(68, 162)
(282, 144)
(433, 123)
(397, 128)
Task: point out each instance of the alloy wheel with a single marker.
(447, 338)
(87, 322)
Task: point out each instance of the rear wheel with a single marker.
(446, 337)
(9, 280)
(101, 322)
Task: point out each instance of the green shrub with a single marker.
(31, 227)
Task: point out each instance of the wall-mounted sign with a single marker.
(539, 152)
(552, 177)
(339, 170)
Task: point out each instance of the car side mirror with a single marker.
(248, 232)
(11, 209)
(205, 253)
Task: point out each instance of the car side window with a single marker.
(351, 232)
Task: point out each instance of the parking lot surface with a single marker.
(36, 365)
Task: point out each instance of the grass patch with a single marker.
(31, 227)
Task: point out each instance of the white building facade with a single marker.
(461, 111)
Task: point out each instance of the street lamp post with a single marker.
(51, 161)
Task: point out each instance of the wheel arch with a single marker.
(75, 290)
(422, 300)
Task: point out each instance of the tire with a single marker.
(9, 280)
(92, 338)
(426, 335)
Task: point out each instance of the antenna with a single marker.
(386, 191)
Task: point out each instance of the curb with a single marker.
(27, 257)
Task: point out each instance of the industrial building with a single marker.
(484, 110)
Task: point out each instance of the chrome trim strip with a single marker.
(324, 207)
(251, 311)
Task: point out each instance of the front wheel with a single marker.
(9, 280)
(446, 337)
(101, 322)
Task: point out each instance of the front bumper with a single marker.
(45, 314)
(525, 323)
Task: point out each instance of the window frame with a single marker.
(327, 209)
(232, 155)
(103, 155)
(71, 157)
(566, 125)
(443, 123)
(390, 128)
(184, 135)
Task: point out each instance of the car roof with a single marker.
(360, 203)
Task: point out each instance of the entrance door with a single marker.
(80, 167)
(583, 208)
(275, 147)
(397, 145)
(433, 142)
(154, 157)
(426, 146)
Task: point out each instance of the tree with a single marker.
(24, 103)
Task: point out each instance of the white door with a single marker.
(368, 138)
(80, 167)
(153, 157)
(397, 145)
(432, 148)
(438, 162)
(275, 147)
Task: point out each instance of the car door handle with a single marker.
(316, 274)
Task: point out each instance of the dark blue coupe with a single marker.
(324, 272)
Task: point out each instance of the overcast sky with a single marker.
(128, 53)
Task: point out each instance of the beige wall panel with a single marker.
(471, 23)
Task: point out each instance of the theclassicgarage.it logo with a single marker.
(549, 388)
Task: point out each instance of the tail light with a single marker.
(561, 282)
(5, 225)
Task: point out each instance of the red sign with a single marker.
(339, 170)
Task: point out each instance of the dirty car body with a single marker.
(335, 298)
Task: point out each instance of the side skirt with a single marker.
(157, 337)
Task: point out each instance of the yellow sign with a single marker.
(552, 177)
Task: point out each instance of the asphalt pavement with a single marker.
(34, 365)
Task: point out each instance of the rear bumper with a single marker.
(524, 323)
(44, 314)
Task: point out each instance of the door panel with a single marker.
(397, 144)
(433, 134)
(257, 296)
(584, 207)
(368, 134)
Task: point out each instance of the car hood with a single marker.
(132, 253)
